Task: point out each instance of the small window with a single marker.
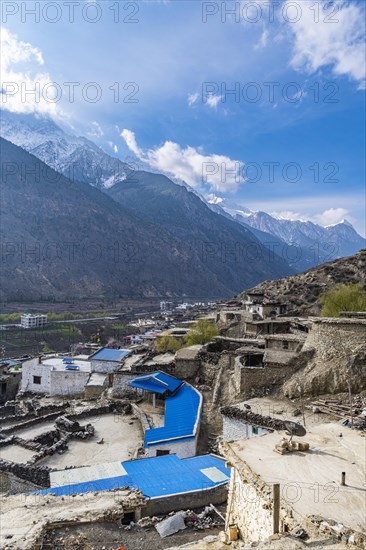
(3, 388)
(161, 452)
(37, 379)
(285, 344)
(255, 430)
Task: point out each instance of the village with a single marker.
(235, 425)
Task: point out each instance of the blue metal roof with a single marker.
(106, 354)
(181, 419)
(157, 477)
(156, 382)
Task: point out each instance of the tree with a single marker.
(167, 343)
(343, 298)
(202, 332)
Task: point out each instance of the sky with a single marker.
(261, 102)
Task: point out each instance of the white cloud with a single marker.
(193, 98)
(263, 41)
(218, 172)
(113, 146)
(331, 216)
(289, 215)
(96, 130)
(337, 39)
(24, 91)
(130, 140)
(213, 100)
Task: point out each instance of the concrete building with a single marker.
(33, 321)
(107, 361)
(56, 375)
(166, 306)
(183, 404)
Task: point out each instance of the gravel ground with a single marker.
(109, 536)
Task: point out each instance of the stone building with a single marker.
(274, 493)
(338, 357)
(10, 377)
(187, 362)
(107, 360)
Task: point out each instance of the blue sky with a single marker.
(290, 140)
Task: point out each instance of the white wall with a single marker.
(33, 368)
(234, 429)
(183, 449)
(53, 382)
(68, 382)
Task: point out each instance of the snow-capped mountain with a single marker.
(75, 157)
(80, 159)
(315, 243)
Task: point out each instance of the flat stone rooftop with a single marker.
(57, 363)
(310, 481)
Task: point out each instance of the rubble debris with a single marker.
(171, 525)
(341, 410)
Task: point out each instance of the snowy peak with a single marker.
(313, 241)
(75, 157)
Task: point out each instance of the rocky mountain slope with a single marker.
(75, 157)
(302, 291)
(303, 243)
(64, 239)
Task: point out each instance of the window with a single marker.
(161, 452)
(3, 388)
(255, 430)
(37, 379)
(285, 344)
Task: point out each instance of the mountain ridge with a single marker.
(118, 251)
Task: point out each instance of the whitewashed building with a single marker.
(56, 375)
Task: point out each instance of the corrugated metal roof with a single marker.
(106, 354)
(181, 419)
(157, 477)
(156, 382)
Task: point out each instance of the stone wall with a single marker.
(141, 416)
(104, 367)
(198, 499)
(338, 348)
(248, 510)
(11, 382)
(250, 502)
(252, 381)
(40, 476)
(120, 386)
(187, 362)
